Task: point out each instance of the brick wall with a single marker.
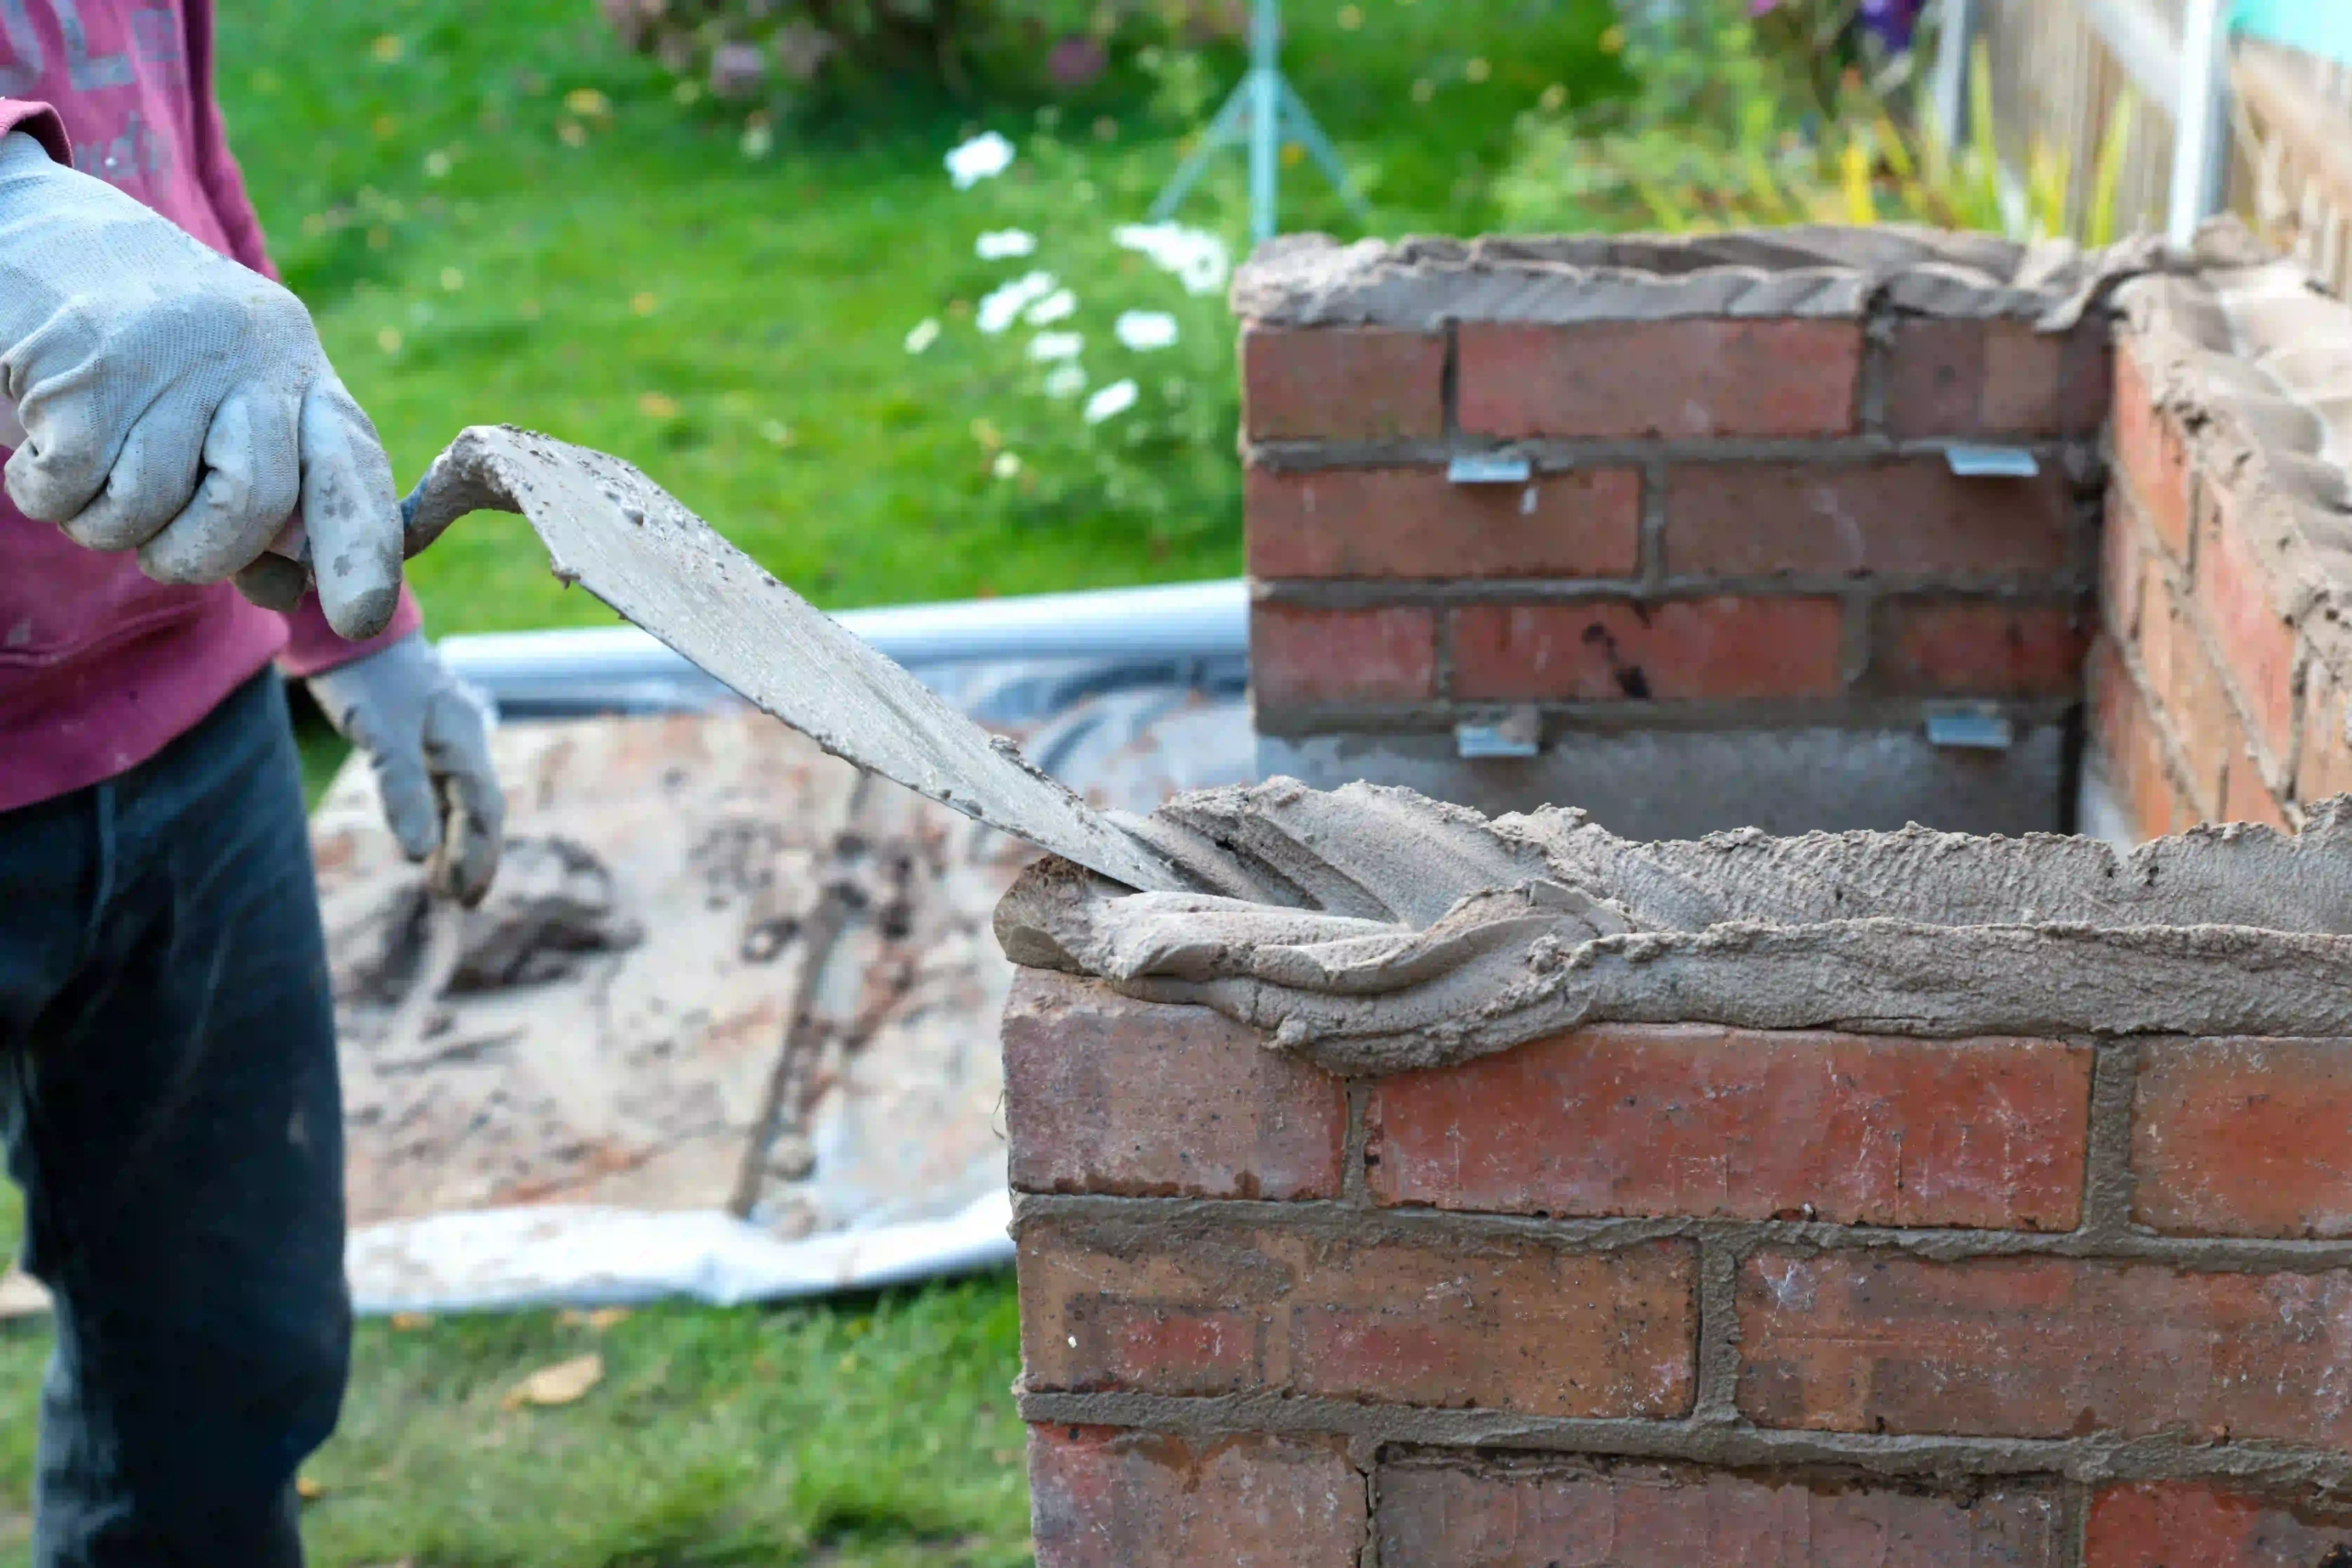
(1740, 548)
(1667, 1296)
(2219, 689)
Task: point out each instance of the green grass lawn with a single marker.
(467, 264)
(735, 326)
(873, 1432)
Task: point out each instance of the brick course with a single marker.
(1980, 649)
(1995, 379)
(2043, 1347)
(2178, 1526)
(1734, 1124)
(1678, 651)
(1104, 1499)
(2151, 457)
(1411, 523)
(1191, 1105)
(1342, 384)
(2257, 645)
(1909, 518)
(1646, 1517)
(1652, 380)
(1494, 1322)
(1299, 654)
(2244, 1138)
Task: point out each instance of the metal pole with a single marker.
(1265, 120)
(1949, 90)
(1262, 110)
(2196, 142)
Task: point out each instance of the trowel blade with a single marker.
(612, 530)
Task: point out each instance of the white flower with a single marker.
(1045, 347)
(1003, 305)
(1111, 402)
(1143, 331)
(984, 157)
(1196, 257)
(1003, 244)
(1065, 381)
(1006, 466)
(1058, 306)
(924, 334)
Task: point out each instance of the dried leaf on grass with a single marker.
(562, 1384)
(21, 1295)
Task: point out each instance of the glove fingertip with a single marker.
(361, 614)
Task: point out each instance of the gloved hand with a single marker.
(425, 738)
(176, 403)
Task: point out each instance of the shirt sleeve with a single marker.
(215, 167)
(313, 648)
(39, 122)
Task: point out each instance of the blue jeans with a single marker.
(169, 1101)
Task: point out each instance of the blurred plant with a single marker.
(781, 54)
(1735, 121)
(1102, 357)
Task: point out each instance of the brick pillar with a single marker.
(1739, 570)
(1668, 1295)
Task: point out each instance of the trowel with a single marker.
(613, 531)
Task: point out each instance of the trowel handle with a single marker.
(419, 528)
(292, 541)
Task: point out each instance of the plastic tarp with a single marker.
(587, 1093)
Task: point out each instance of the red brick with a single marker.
(1104, 1094)
(2151, 454)
(2325, 766)
(2255, 644)
(1980, 648)
(1683, 649)
(2044, 1348)
(1902, 517)
(1677, 378)
(2244, 1137)
(1342, 384)
(1105, 1499)
(2187, 691)
(1996, 378)
(1536, 1514)
(1412, 522)
(1734, 1124)
(2245, 797)
(2135, 766)
(2179, 1525)
(1300, 655)
(1516, 1323)
(2122, 564)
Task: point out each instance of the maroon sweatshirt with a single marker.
(99, 668)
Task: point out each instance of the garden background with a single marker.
(723, 240)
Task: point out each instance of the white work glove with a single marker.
(425, 736)
(178, 404)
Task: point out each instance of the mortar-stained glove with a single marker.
(425, 737)
(178, 404)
